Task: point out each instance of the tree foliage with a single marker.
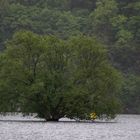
(56, 78)
(130, 94)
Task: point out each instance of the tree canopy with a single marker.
(56, 78)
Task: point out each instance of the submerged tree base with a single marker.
(52, 120)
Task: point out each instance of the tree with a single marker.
(101, 19)
(19, 63)
(4, 10)
(4, 4)
(61, 24)
(56, 78)
(26, 2)
(130, 94)
(96, 79)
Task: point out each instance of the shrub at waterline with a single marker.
(56, 78)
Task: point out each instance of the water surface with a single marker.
(126, 127)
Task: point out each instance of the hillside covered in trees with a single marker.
(114, 23)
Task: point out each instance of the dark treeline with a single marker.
(116, 24)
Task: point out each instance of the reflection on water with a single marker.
(127, 127)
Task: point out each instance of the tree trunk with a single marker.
(52, 120)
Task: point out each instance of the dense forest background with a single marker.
(116, 23)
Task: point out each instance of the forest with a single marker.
(113, 24)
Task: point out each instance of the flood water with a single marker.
(124, 127)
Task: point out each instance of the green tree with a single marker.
(56, 78)
(4, 10)
(101, 17)
(130, 94)
(96, 79)
(4, 4)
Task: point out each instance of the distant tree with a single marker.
(56, 78)
(4, 10)
(4, 4)
(82, 4)
(130, 94)
(26, 2)
(100, 19)
(53, 22)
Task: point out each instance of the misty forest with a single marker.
(70, 58)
